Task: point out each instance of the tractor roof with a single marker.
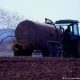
(67, 22)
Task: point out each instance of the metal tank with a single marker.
(32, 35)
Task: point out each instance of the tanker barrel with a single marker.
(33, 35)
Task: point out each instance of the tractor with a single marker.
(74, 29)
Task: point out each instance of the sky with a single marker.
(38, 10)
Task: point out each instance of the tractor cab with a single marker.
(63, 24)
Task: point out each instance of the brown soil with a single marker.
(28, 68)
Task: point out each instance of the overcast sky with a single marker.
(37, 10)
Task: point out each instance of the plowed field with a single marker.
(28, 68)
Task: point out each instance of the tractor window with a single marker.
(75, 29)
(65, 27)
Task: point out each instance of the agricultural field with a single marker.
(28, 68)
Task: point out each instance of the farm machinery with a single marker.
(47, 38)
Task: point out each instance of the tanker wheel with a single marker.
(45, 53)
(76, 49)
(79, 48)
(22, 53)
(17, 53)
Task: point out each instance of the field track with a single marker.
(28, 68)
